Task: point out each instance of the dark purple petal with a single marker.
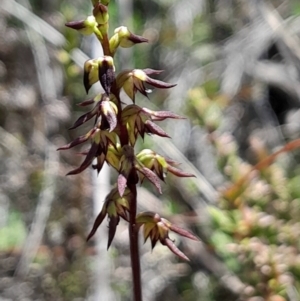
(151, 176)
(153, 242)
(86, 81)
(88, 160)
(170, 244)
(159, 84)
(172, 162)
(183, 232)
(100, 162)
(122, 212)
(139, 85)
(162, 115)
(106, 76)
(112, 227)
(137, 39)
(150, 71)
(84, 118)
(99, 12)
(77, 141)
(86, 102)
(97, 223)
(140, 126)
(160, 172)
(179, 173)
(152, 128)
(75, 24)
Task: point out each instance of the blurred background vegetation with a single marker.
(237, 68)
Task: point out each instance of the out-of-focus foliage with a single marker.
(237, 76)
(256, 224)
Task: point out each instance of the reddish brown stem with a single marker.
(133, 232)
(105, 45)
(134, 246)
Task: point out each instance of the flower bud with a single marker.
(128, 39)
(159, 164)
(114, 207)
(100, 13)
(85, 27)
(102, 69)
(133, 80)
(124, 38)
(157, 229)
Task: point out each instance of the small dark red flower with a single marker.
(159, 164)
(139, 121)
(124, 38)
(101, 140)
(85, 27)
(133, 80)
(157, 229)
(115, 206)
(101, 69)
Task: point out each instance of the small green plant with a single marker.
(114, 134)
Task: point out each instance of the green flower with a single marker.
(134, 80)
(139, 121)
(85, 27)
(124, 38)
(160, 165)
(101, 69)
(157, 229)
(104, 108)
(114, 207)
(100, 13)
(101, 140)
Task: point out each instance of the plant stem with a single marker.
(131, 184)
(105, 45)
(134, 246)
